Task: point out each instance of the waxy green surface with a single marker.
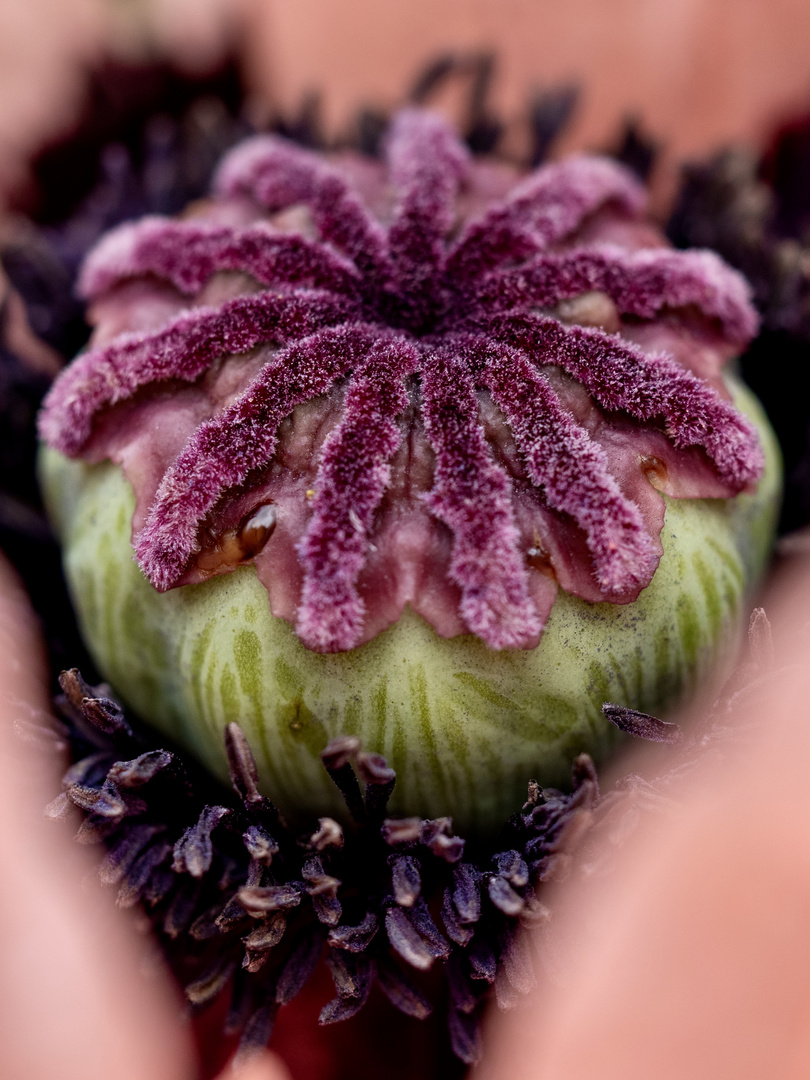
(464, 726)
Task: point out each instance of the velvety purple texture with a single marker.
(407, 389)
(188, 253)
(471, 496)
(278, 174)
(184, 349)
(640, 283)
(353, 474)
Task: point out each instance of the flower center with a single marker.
(379, 362)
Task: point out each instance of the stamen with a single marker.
(267, 929)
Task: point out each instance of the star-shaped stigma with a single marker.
(398, 407)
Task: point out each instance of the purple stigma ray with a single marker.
(187, 254)
(471, 496)
(278, 174)
(426, 164)
(223, 451)
(572, 472)
(621, 377)
(417, 340)
(640, 283)
(546, 207)
(353, 474)
(183, 349)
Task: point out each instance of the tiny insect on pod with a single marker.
(428, 454)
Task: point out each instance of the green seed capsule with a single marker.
(463, 725)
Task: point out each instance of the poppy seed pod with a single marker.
(423, 452)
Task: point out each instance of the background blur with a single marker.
(693, 75)
(697, 73)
